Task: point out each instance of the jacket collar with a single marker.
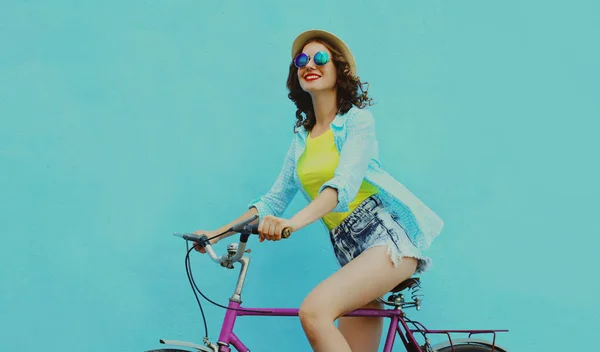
(337, 123)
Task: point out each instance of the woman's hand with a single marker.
(208, 234)
(270, 228)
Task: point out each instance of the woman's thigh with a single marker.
(364, 279)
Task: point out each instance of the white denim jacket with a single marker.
(354, 135)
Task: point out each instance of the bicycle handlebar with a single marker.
(243, 228)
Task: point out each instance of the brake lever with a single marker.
(241, 226)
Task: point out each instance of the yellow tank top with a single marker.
(317, 165)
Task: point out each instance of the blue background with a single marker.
(123, 122)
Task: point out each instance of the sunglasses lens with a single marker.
(321, 58)
(301, 60)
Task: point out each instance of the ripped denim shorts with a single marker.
(370, 225)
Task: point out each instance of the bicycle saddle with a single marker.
(406, 284)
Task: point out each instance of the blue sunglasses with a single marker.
(320, 58)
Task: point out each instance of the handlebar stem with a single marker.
(235, 254)
(226, 260)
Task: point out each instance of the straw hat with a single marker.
(303, 37)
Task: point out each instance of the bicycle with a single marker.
(396, 301)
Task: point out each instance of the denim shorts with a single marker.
(370, 225)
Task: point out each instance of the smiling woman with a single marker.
(341, 75)
(378, 229)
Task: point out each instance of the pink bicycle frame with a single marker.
(228, 337)
(397, 324)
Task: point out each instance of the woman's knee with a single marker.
(314, 311)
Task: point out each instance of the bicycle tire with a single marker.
(470, 347)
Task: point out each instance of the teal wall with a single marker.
(123, 122)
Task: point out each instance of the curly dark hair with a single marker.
(350, 90)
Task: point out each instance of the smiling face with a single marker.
(315, 78)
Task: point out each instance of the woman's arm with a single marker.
(276, 200)
(336, 194)
(319, 207)
(279, 196)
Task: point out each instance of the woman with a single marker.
(376, 226)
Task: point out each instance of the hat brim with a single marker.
(303, 37)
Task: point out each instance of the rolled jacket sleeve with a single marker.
(276, 200)
(357, 152)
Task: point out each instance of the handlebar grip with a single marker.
(202, 240)
(287, 232)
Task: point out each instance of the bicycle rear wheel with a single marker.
(470, 347)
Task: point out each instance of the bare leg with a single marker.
(361, 333)
(368, 276)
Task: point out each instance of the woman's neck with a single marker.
(325, 107)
